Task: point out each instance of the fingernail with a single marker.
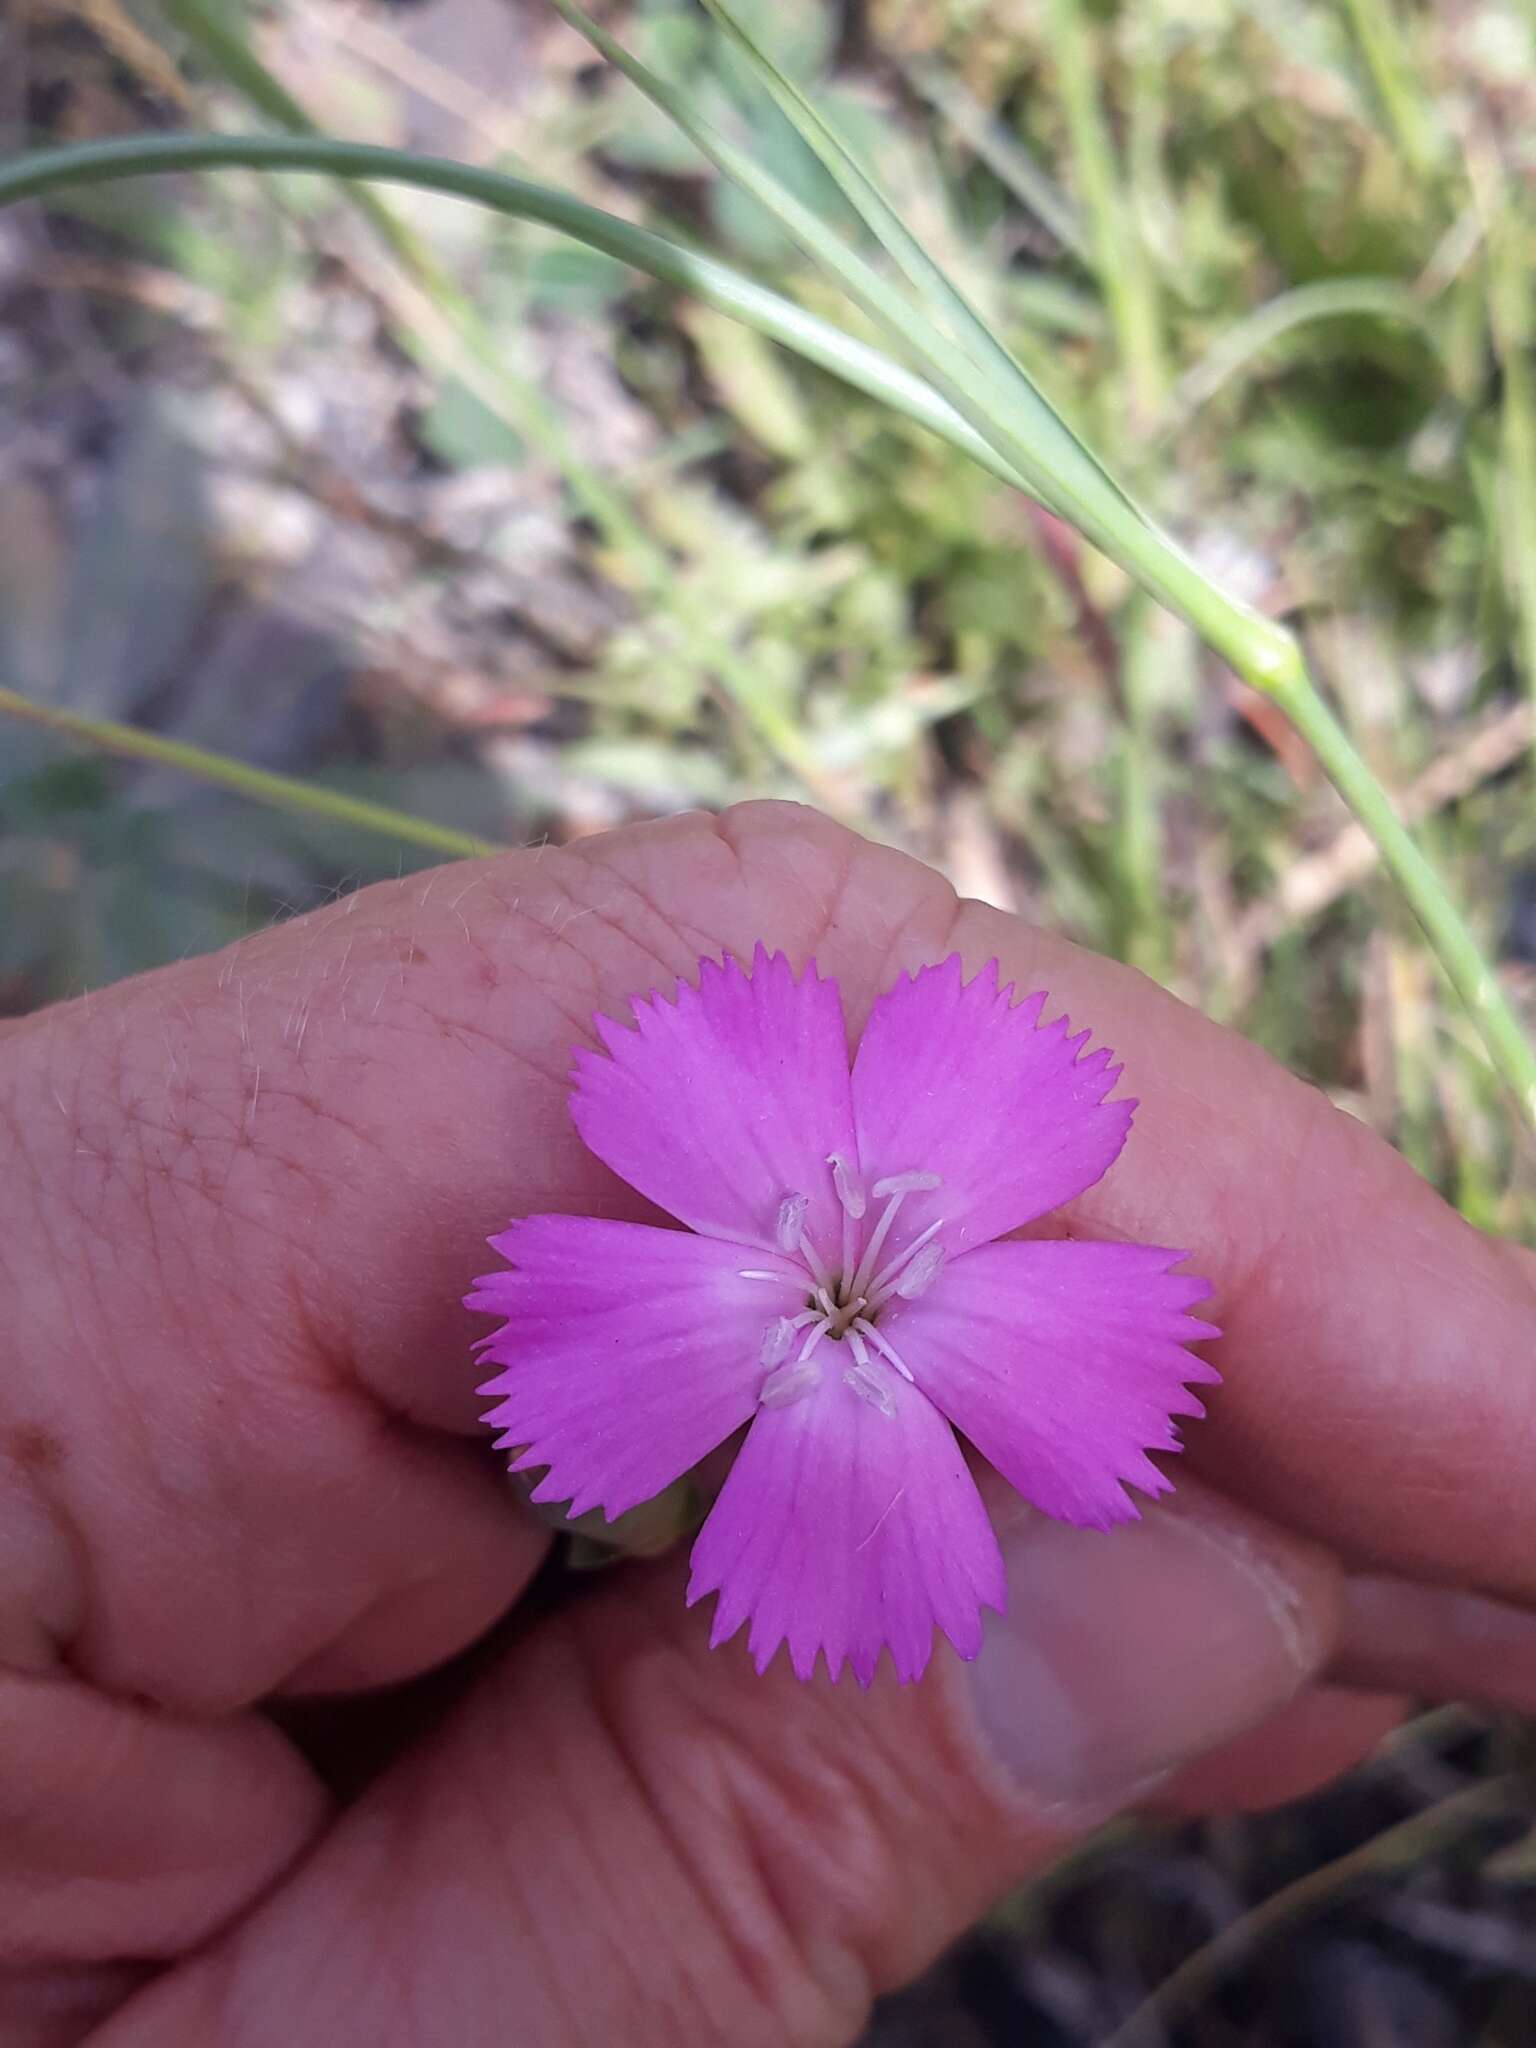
(1124, 1655)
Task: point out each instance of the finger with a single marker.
(129, 1833)
(1437, 1643)
(672, 1848)
(1314, 1738)
(1376, 1350)
(56, 2008)
(336, 1113)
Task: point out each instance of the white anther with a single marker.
(777, 1339)
(922, 1270)
(880, 1287)
(756, 1273)
(907, 1184)
(885, 1347)
(850, 1189)
(894, 1190)
(867, 1383)
(791, 1224)
(790, 1383)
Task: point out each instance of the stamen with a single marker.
(850, 1192)
(857, 1346)
(907, 1184)
(819, 1330)
(791, 1223)
(828, 1305)
(884, 1346)
(815, 1261)
(850, 1189)
(860, 1280)
(866, 1383)
(880, 1286)
(921, 1272)
(756, 1273)
(777, 1339)
(789, 1383)
(895, 1188)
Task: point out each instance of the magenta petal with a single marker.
(844, 1529)
(1064, 1363)
(954, 1078)
(723, 1103)
(629, 1353)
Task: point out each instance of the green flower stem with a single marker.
(965, 359)
(1264, 654)
(282, 791)
(984, 384)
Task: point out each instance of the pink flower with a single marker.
(845, 1284)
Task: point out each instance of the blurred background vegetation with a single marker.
(520, 542)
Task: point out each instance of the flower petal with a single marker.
(1064, 1363)
(629, 1353)
(726, 1101)
(954, 1078)
(844, 1529)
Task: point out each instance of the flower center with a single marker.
(844, 1298)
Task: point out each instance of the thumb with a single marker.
(624, 1836)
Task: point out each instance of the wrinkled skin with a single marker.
(239, 1458)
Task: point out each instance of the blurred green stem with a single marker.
(1331, 298)
(1380, 40)
(282, 791)
(1003, 154)
(1473, 977)
(1513, 320)
(1119, 255)
(1138, 819)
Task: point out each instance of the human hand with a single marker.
(242, 1459)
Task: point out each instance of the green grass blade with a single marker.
(1028, 433)
(1120, 258)
(956, 343)
(1003, 154)
(1016, 390)
(671, 263)
(1512, 318)
(1264, 654)
(840, 163)
(211, 32)
(281, 792)
(1333, 298)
